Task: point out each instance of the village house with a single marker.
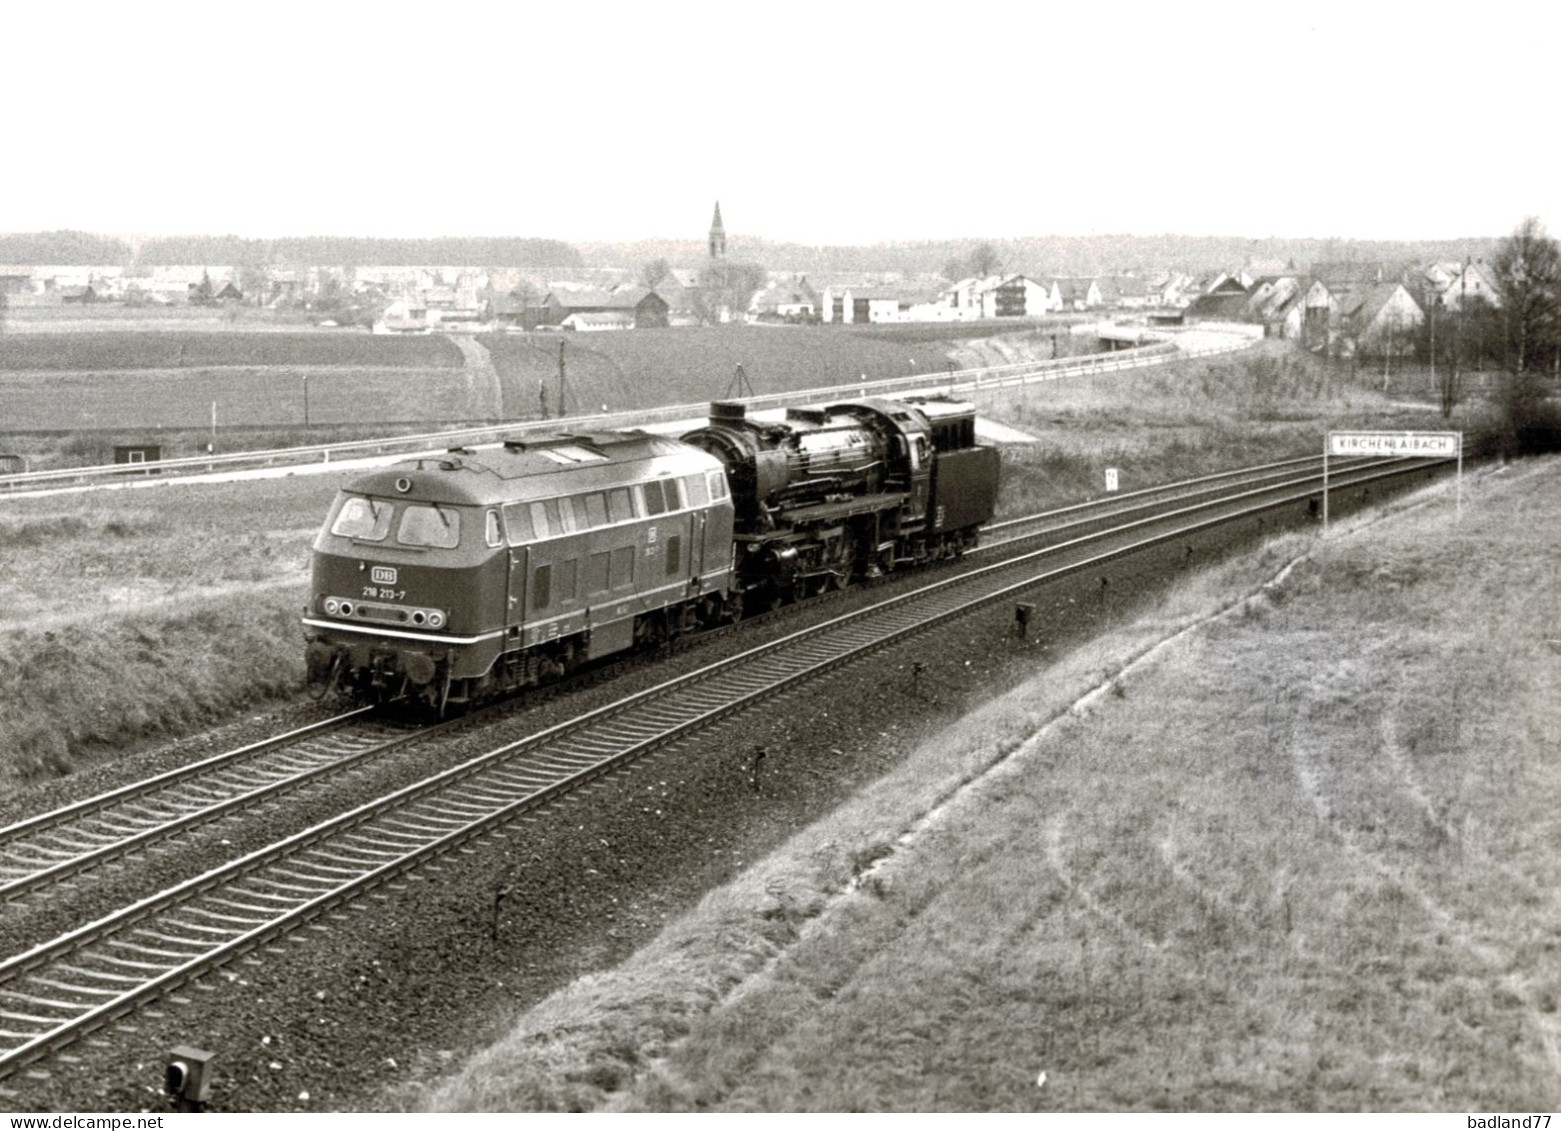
(1132, 292)
(634, 307)
(969, 294)
(791, 301)
(1076, 293)
(1470, 282)
(1018, 297)
(1380, 321)
(599, 320)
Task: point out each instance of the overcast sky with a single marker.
(821, 123)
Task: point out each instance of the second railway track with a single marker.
(86, 979)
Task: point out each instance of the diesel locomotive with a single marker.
(458, 578)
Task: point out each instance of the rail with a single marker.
(81, 981)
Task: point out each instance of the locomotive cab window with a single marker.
(366, 520)
(655, 498)
(517, 521)
(717, 485)
(434, 526)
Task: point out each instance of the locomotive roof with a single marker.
(535, 468)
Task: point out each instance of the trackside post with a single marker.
(1422, 445)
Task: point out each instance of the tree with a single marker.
(726, 289)
(252, 282)
(203, 293)
(1527, 266)
(1458, 336)
(984, 260)
(654, 273)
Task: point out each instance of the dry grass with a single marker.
(688, 365)
(1301, 857)
(134, 613)
(1179, 420)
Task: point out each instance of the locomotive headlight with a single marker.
(435, 619)
(345, 608)
(332, 606)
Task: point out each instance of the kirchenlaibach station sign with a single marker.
(1423, 445)
(1394, 445)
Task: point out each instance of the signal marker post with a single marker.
(1422, 445)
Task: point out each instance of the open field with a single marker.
(245, 349)
(160, 387)
(1294, 852)
(133, 406)
(688, 365)
(62, 318)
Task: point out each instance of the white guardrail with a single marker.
(955, 382)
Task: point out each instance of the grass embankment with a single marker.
(1182, 419)
(1300, 857)
(135, 614)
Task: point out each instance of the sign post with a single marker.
(1405, 445)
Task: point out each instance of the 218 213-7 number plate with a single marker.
(376, 593)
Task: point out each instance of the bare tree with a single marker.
(1527, 266)
(654, 273)
(725, 290)
(984, 260)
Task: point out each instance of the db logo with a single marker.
(383, 575)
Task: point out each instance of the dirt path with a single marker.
(479, 363)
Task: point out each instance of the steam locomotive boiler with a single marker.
(849, 490)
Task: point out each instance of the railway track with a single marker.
(55, 846)
(1144, 502)
(89, 978)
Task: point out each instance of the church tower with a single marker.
(717, 235)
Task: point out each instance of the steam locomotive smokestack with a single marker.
(727, 410)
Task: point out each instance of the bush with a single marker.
(1530, 421)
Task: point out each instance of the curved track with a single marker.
(88, 978)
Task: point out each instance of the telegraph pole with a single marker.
(563, 402)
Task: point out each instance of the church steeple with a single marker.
(717, 235)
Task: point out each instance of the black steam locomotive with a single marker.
(454, 579)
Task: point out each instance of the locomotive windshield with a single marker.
(366, 520)
(369, 520)
(436, 526)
